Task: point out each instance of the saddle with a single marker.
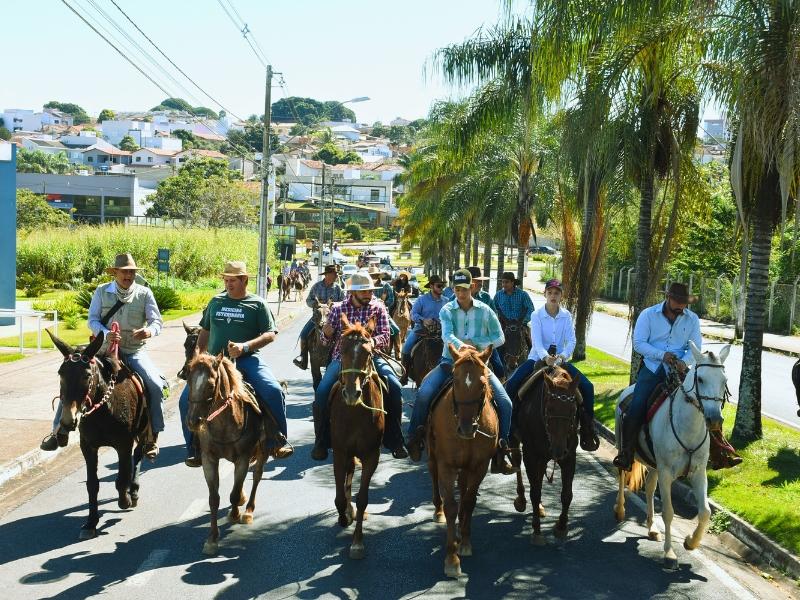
(418, 344)
(654, 402)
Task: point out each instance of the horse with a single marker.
(319, 355)
(516, 347)
(357, 425)
(226, 421)
(285, 287)
(547, 426)
(298, 284)
(679, 429)
(426, 352)
(457, 453)
(796, 382)
(189, 344)
(101, 398)
(402, 316)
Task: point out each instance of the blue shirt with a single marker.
(547, 331)
(484, 297)
(449, 293)
(516, 306)
(426, 307)
(654, 335)
(323, 293)
(479, 325)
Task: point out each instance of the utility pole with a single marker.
(263, 240)
(333, 219)
(322, 216)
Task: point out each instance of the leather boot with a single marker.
(414, 444)
(276, 441)
(301, 362)
(499, 462)
(588, 438)
(630, 431)
(406, 362)
(321, 433)
(721, 454)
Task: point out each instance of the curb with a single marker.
(38, 457)
(765, 549)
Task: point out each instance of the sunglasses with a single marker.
(438, 285)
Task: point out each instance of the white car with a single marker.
(328, 258)
(348, 270)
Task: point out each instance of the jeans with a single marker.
(411, 339)
(432, 385)
(496, 364)
(307, 329)
(526, 369)
(392, 436)
(154, 382)
(256, 372)
(646, 382)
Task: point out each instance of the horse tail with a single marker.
(634, 479)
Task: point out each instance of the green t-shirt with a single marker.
(237, 321)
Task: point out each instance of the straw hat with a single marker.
(235, 268)
(360, 282)
(122, 261)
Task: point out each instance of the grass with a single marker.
(10, 357)
(764, 490)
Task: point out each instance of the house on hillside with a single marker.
(151, 157)
(98, 157)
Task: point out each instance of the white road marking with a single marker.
(147, 568)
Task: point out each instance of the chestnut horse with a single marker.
(226, 421)
(457, 453)
(357, 424)
(402, 318)
(102, 395)
(547, 425)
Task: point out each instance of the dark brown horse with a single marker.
(547, 425)
(319, 355)
(357, 424)
(426, 353)
(102, 399)
(284, 287)
(189, 344)
(462, 439)
(226, 422)
(402, 318)
(517, 344)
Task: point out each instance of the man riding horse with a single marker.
(423, 314)
(359, 307)
(512, 303)
(470, 323)
(241, 324)
(478, 293)
(133, 307)
(327, 289)
(553, 338)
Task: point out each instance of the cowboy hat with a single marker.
(122, 261)
(509, 276)
(432, 280)
(680, 293)
(329, 269)
(477, 274)
(235, 268)
(360, 282)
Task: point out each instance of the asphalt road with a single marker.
(295, 549)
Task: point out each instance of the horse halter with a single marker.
(481, 401)
(697, 400)
(89, 405)
(546, 417)
(365, 374)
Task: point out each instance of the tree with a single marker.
(78, 114)
(204, 111)
(333, 155)
(227, 204)
(5, 134)
(399, 135)
(379, 130)
(298, 129)
(36, 161)
(309, 111)
(187, 138)
(251, 139)
(106, 115)
(353, 229)
(174, 104)
(33, 212)
(128, 144)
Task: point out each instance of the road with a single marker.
(295, 549)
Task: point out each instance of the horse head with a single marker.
(79, 377)
(356, 357)
(189, 345)
(514, 347)
(320, 313)
(559, 411)
(203, 379)
(707, 384)
(471, 389)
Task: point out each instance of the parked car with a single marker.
(328, 258)
(543, 250)
(348, 270)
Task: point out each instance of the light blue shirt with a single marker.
(479, 325)
(547, 330)
(427, 307)
(654, 335)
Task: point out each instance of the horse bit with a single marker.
(366, 373)
(89, 406)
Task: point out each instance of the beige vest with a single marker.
(130, 316)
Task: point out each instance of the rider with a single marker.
(449, 292)
(478, 293)
(133, 307)
(241, 324)
(359, 307)
(322, 291)
(512, 303)
(466, 323)
(553, 338)
(661, 335)
(424, 312)
(401, 284)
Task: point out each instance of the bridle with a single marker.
(479, 401)
(88, 405)
(365, 375)
(218, 411)
(548, 395)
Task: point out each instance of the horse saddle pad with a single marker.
(657, 398)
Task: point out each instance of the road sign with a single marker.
(163, 260)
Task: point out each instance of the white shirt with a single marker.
(654, 335)
(547, 330)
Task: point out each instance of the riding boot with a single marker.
(414, 444)
(276, 442)
(406, 362)
(151, 448)
(195, 457)
(321, 434)
(721, 454)
(499, 462)
(630, 432)
(301, 362)
(588, 438)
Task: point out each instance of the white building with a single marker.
(346, 132)
(716, 131)
(151, 157)
(162, 142)
(18, 119)
(116, 129)
(52, 116)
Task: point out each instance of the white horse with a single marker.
(680, 433)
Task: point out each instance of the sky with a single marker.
(325, 49)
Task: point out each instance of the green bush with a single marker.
(354, 230)
(166, 298)
(33, 284)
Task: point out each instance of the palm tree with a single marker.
(755, 69)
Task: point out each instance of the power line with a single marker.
(246, 32)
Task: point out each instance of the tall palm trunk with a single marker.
(475, 249)
(487, 257)
(501, 257)
(468, 246)
(642, 263)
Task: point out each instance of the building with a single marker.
(37, 144)
(52, 116)
(151, 157)
(116, 129)
(346, 132)
(716, 131)
(183, 156)
(96, 156)
(18, 119)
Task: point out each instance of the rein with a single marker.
(481, 401)
(367, 374)
(546, 418)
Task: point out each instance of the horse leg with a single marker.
(536, 473)
(133, 489)
(433, 469)
(237, 495)
(368, 466)
(348, 489)
(452, 564)
(89, 529)
(665, 479)
(124, 474)
(520, 502)
(699, 481)
(211, 472)
(567, 475)
(469, 497)
(342, 501)
(619, 505)
(258, 470)
(650, 490)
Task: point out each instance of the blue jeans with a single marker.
(526, 369)
(392, 436)
(496, 364)
(433, 383)
(646, 382)
(307, 329)
(411, 339)
(256, 372)
(153, 380)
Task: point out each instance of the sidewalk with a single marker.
(28, 386)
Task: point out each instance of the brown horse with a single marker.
(517, 345)
(226, 422)
(319, 355)
(189, 344)
(547, 425)
(457, 453)
(102, 395)
(284, 287)
(357, 424)
(402, 318)
(426, 352)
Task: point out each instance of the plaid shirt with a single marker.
(479, 324)
(363, 314)
(514, 306)
(323, 293)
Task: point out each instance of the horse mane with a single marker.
(356, 328)
(229, 381)
(473, 356)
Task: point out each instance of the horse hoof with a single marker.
(619, 515)
(541, 510)
(654, 536)
(87, 533)
(246, 519)
(537, 539)
(520, 504)
(134, 501)
(687, 543)
(357, 551)
(452, 570)
(670, 564)
(438, 517)
(344, 521)
(233, 517)
(210, 548)
(465, 549)
(559, 532)
(124, 502)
